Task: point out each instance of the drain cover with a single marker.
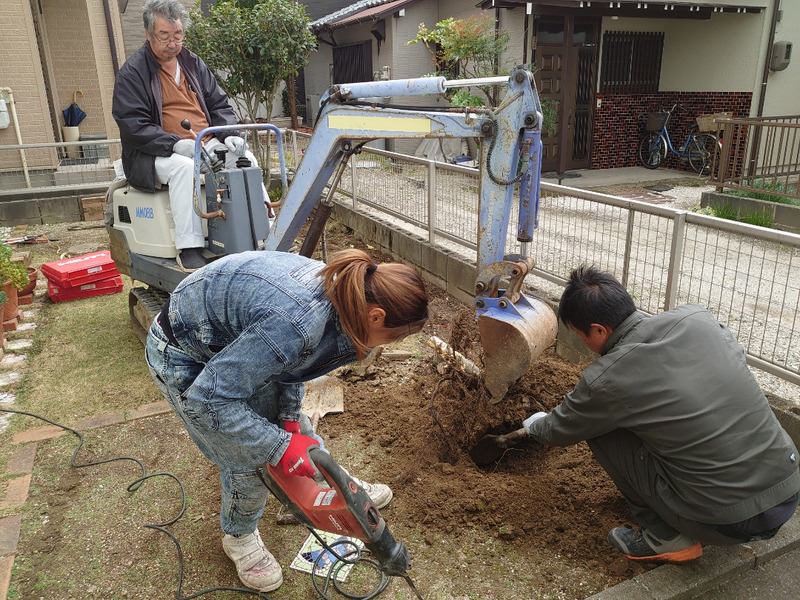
(658, 188)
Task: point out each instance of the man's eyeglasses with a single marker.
(176, 39)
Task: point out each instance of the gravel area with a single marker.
(687, 197)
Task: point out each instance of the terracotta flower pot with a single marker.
(33, 274)
(11, 306)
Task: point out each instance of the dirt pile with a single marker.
(427, 417)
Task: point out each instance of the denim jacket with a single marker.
(257, 317)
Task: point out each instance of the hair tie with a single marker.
(371, 269)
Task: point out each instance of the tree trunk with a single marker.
(290, 90)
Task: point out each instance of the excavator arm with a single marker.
(514, 328)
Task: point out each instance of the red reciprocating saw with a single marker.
(343, 508)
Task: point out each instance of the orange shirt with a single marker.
(179, 103)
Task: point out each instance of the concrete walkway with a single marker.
(587, 178)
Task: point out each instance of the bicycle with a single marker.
(698, 149)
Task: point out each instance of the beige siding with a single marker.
(783, 87)
(21, 71)
(75, 55)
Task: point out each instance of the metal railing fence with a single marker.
(759, 155)
(26, 168)
(747, 276)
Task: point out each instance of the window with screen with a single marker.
(631, 62)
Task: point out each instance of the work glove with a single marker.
(184, 147)
(295, 461)
(236, 145)
(528, 423)
(291, 426)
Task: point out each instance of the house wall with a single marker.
(77, 50)
(783, 87)
(21, 71)
(717, 55)
(80, 59)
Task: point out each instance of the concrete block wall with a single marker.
(784, 216)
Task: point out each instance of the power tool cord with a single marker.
(342, 560)
(135, 485)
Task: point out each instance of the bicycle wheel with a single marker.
(652, 149)
(701, 152)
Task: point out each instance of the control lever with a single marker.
(212, 165)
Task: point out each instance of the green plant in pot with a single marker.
(14, 272)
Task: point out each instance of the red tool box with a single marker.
(101, 287)
(77, 270)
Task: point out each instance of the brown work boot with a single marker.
(257, 568)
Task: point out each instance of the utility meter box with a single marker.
(781, 55)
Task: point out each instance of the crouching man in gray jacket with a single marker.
(674, 416)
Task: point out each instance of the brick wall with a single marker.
(618, 122)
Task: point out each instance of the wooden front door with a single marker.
(565, 55)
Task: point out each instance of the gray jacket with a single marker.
(679, 381)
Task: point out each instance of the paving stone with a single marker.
(14, 345)
(7, 398)
(9, 534)
(38, 434)
(12, 360)
(9, 377)
(149, 410)
(6, 563)
(96, 421)
(21, 460)
(16, 492)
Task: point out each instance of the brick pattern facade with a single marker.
(619, 122)
(77, 54)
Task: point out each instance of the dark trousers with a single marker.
(624, 458)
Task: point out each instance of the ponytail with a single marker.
(353, 282)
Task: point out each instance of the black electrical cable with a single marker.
(343, 560)
(135, 485)
(352, 557)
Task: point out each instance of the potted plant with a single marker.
(33, 275)
(13, 277)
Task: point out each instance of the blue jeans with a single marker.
(232, 449)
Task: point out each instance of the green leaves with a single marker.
(465, 48)
(252, 46)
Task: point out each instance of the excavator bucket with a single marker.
(513, 335)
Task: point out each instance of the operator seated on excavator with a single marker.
(158, 87)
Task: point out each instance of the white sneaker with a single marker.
(379, 493)
(257, 568)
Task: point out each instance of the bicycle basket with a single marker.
(656, 120)
(706, 122)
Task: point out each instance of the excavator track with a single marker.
(144, 305)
